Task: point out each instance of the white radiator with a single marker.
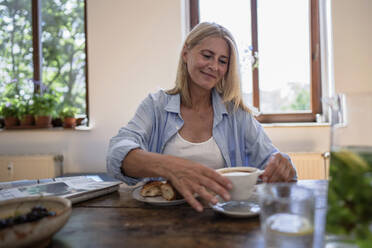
(30, 167)
(311, 165)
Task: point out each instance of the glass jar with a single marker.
(349, 213)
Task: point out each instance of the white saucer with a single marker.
(156, 200)
(239, 209)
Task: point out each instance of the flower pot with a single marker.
(11, 121)
(69, 122)
(28, 120)
(57, 122)
(43, 121)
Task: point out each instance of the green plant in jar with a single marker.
(68, 111)
(350, 195)
(9, 108)
(25, 108)
(44, 103)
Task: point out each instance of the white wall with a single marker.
(133, 48)
(352, 34)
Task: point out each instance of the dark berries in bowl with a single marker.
(36, 213)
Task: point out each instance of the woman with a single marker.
(200, 125)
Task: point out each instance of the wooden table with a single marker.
(117, 220)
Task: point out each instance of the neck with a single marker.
(200, 98)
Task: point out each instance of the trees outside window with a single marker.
(43, 49)
(279, 48)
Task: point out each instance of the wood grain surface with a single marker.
(117, 220)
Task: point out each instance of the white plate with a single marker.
(156, 200)
(239, 209)
(37, 233)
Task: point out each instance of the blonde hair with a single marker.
(229, 86)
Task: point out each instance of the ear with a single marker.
(185, 52)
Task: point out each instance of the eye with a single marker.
(207, 56)
(223, 61)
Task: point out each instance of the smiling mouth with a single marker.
(209, 75)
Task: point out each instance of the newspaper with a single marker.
(77, 188)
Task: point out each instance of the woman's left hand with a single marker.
(278, 169)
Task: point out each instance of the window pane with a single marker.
(235, 15)
(284, 56)
(16, 66)
(63, 41)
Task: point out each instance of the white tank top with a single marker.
(206, 153)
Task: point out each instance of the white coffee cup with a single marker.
(243, 180)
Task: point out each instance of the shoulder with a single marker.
(161, 101)
(240, 112)
(158, 98)
(243, 118)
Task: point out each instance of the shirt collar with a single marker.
(219, 108)
(174, 104)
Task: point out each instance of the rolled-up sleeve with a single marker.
(135, 134)
(259, 146)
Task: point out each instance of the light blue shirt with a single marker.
(239, 136)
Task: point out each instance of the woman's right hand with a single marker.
(188, 177)
(191, 178)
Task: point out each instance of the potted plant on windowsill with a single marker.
(68, 114)
(9, 110)
(26, 113)
(44, 104)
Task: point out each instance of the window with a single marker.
(279, 49)
(43, 46)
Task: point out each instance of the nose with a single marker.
(213, 65)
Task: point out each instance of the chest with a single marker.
(197, 125)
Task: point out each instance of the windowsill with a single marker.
(52, 129)
(89, 128)
(297, 124)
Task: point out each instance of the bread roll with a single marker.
(151, 188)
(168, 192)
(159, 188)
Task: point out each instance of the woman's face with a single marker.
(207, 62)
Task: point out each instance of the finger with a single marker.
(275, 177)
(287, 174)
(270, 171)
(270, 167)
(293, 173)
(289, 171)
(276, 169)
(216, 188)
(192, 201)
(267, 173)
(185, 189)
(280, 170)
(286, 169)
(208, 196)
(219, 178)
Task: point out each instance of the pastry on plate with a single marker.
(169, 192)
(151, 188)
(160, 188)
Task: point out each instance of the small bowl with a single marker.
(37, 233)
